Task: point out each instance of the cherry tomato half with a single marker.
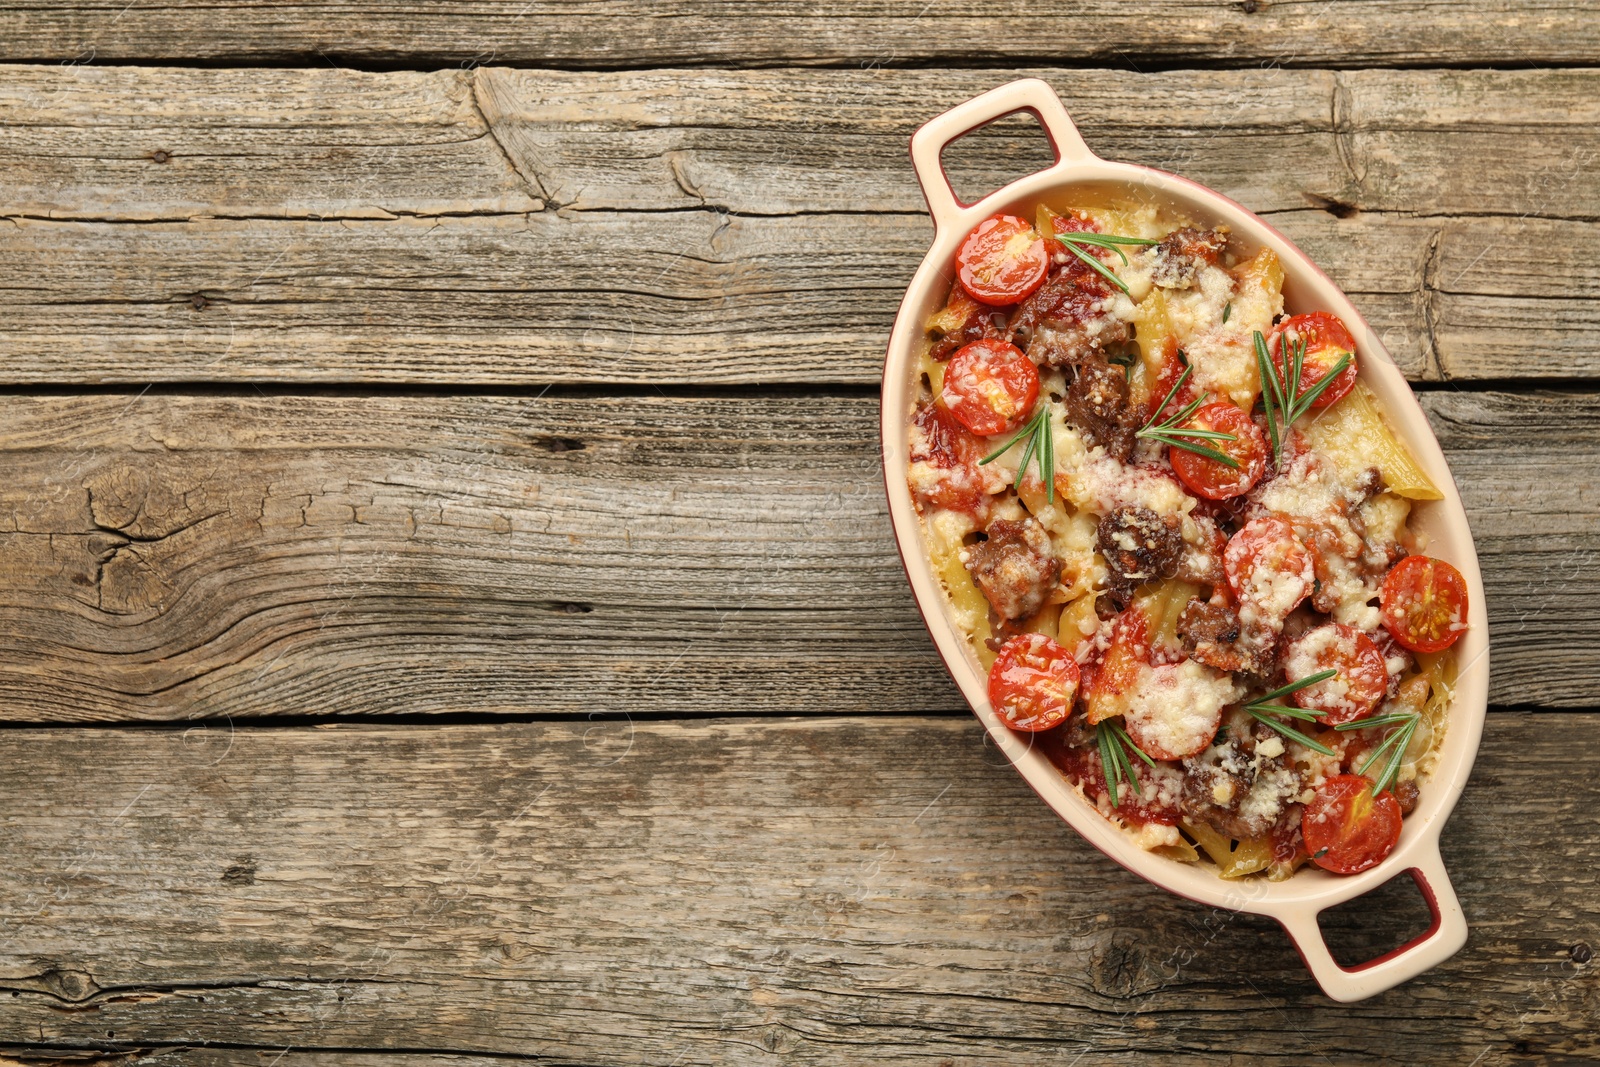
(941, 442)
(1218, 481)
(1326, 340)
(1002, 261)
(1111, 676)
(1172, 729)
(1425, 604)
(1268, 568)
(1033, 683)
(1346, 828)
(1363, 677)
(990, 387)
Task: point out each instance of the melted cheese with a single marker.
(1177, 707)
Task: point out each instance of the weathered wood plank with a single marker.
(227, 288)
(862, 33)
(176, 557)
(83, 142)
(824, 890)
(682, 296)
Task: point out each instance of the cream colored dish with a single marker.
(1080, 177)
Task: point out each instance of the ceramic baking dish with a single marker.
(1295, 902)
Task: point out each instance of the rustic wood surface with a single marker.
(617, 33)
(447, 609)
(506, 226)
(813, 891)
(172, 556)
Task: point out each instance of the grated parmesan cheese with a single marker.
(1177, 707)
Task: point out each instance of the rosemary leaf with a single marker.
(1027, 430)
(1104, 270)
(1394, 718)
(1288, 731)
(1281, 397)
(1111, 771)
(1314, 391)
(1047, 469)
(1271, 400)
(1105, 240)
(1187, 370)
(1295, 687)
(1395, 747)
(1122, 735)
(1114, 744)
(1172, 433)
(1040, 448)
(1288, 711)
(1204, 435)
(1197, 449)
(1227, 309)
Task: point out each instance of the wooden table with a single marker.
(447, 609)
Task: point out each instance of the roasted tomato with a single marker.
(1002, 261)
(1115, 674)
(1425, 604)
(1218, 481)
(1268, 568)
(1326, 340)
(1362, 681)
(944, 462)
(1346, 828)
(990, 387)
(1033, 683)
(1174, 726)
(1172, 366)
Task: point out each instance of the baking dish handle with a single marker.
(1441, 941)
(928, 143)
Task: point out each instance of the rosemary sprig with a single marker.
(1280, 391)
(1394, 746)
(1075, 243)
(1114, 743)
(1171, 432)
(1262, 710)
(1394, 718)
(1041, 446)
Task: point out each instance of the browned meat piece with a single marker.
(1218, 780)
(1015, 567)
(962, 322)
(1076, 732)
(1213, 634)
(1407, 794)
(1097, 404)
(1068, 320)
(1368, 483)
(1139, 546)
(1182, 253)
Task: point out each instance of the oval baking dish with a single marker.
(1295, 902)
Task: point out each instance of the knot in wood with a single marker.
(69, 984)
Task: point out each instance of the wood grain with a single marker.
(823, 890)
(613, 33)
(177, 557)
(692, 297)
(306, 225)
(331, 143)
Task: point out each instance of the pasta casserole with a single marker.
(1172, 522)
